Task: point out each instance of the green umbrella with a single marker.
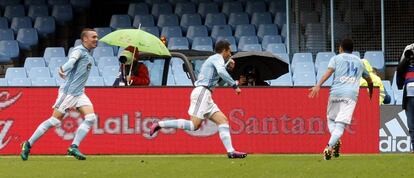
(144, 41)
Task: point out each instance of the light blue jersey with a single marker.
(77, 70)
(211, 71)
(348, 70)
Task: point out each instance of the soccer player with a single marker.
(202, 105)
(71, 94)
(348, 70)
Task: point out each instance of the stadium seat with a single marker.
(231, 7)
(275, 48)
(15, 72)
(9, 50)
(110, 71)
(57, 2)
(376, 59)
(53, 52)
(221, 31)
(302, 57)
(251, 47)
(245, 40)
(323, 57)
(303, 67)
(20, 82)
(3, 82)
(196, 31)
(356, 53)
(45, 26)
(389, 91)
(269, 39)
(277, 7)
(62, 13)
(245, 30)
(27, 38)
(119, 21)
(94, 72)
(107, 61)
(178, 43)
(213, 19)
(185, 8)
(12, 11)
(177, 74)
(255, 6)
(161, 8)
(4, 23)
(267, 29)
(189, 20)
(165, 20)
(202, 44)
(280, 19)
(322, 67)
(173, 31)
(95, 81)
(39, 72)
(260, 18)
(6, 34)
(137, 9)
(102, 31)
(304, 79)
(99, 52)
(37, 11)
(284, 80)
(31, 62)
(284, 57)
(238, 18)
(20, 22)
(207, 8)
(146, 20)
(153, 30)
(328, 82)
(55, 63)
(231, 40)
(43, 81)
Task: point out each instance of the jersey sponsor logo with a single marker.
(6, 100)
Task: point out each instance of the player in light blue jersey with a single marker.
(71, 94)
(202, 105)
(347, 69)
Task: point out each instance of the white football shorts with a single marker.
(202, 105)
(341, 109)
(64, 102)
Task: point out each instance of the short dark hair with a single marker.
(84, 31)
(347, 45)
(221, 46)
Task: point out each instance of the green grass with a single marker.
(384, 165)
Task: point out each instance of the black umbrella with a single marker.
(269, 66)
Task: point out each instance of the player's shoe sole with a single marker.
(73, 151)
(336, 148)
(25, 151)
(327, 154)
(236, 154)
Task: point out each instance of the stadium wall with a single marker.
(262, 120)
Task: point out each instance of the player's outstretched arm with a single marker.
(314, 91)
(74, 56)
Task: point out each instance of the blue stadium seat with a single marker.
(259, 18)
(165, 20)
(269, 39)
(244, 40)
(178, 43)
(57, 2)
(53, 52)
(322, 67)
(202, 44)
(39, 72)
(231, 40)
(102, 31)
(99, 52)
(389, 91)
(146, 20)
(94, 72)
(107, 61)
(6, 34)
(280, 19)
(161, 8)
(303, 67)
(304, 79)
(31, 62)
(328, 82)
(284, 80)
(376, 59)
(255, 6)
(119, 21)
(213, 19)
(221, 31)
(267, 29)
(20, 82)
(37, 11)
(277, 7)
(207, 8)
(356, 53)
(95, 81)
(34, 2)
(43, 81)
(12, 11)
(9, 50)
(185, 8)
(15, 72)
(103, 44)
(275, 48)
(323, 57)
(231, 7)
(173, 31)
(45, 26)
(238, 18)
(4, 23)
(156, 71)
(196, 31)
(27, 38)
(190, 20)
(62, 13)
(285, 58)
(153, 30)
(55, 63)
(302, 57)
(177, 76)
(137, 9)
(251, 47)
(245, 30)
(20, 22)
(110, 71)
(3, 82)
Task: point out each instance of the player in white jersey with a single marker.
(202, 105)
(347, 69)
(71, 94)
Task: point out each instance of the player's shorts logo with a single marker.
(70, 123)
(6, 100)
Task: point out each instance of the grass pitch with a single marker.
(195, 166)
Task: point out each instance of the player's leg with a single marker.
(410, 119)
(332, 112)
(224, 131)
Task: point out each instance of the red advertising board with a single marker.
(262, 120)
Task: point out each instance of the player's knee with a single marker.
(90, 119)
(196, 126)
(54, 121)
